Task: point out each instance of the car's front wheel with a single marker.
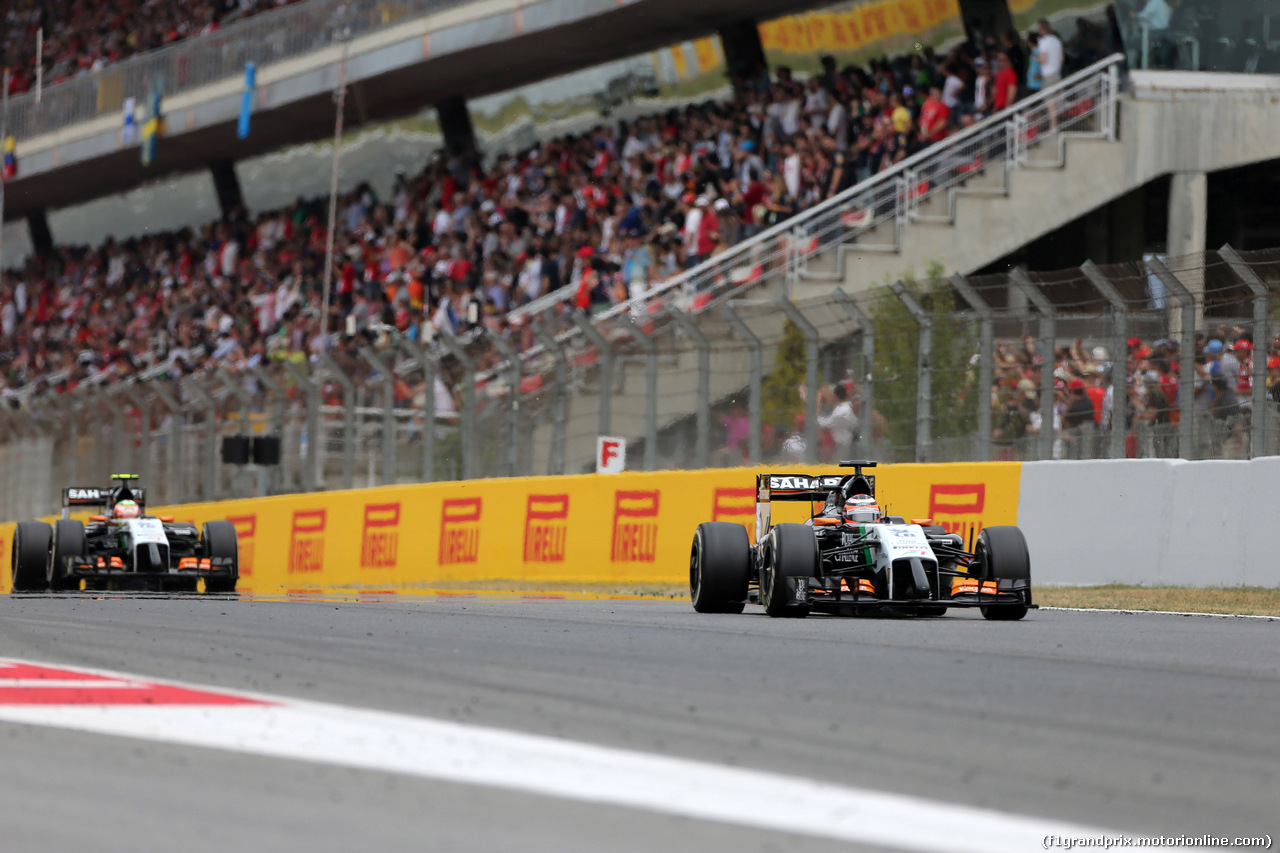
(30, 556)
(68, 541)
(790, 559)
(719, 567)
(218, 541)
(1002, 555)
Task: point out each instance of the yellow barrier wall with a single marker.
(627, 528)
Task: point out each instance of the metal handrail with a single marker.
(913, 163)
(198, 61)
(1011, 119)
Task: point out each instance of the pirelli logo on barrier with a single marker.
(246, 528)
(635, 527)
(958, 507)
(546, 528)
(460, 531)
(735, 505)
(306, 541)
(380, 538)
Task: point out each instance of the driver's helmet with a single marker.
(126, 509)
(861, 508)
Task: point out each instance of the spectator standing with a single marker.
(842, 421)
(1051, 56)
(1006, 84)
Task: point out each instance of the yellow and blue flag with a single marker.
(10, 157)
(152, 128)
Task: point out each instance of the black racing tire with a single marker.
(932, 610)
(218, 540)
(792, 552)
(1002, 555)
(719, 567)
(30, 558)
(68, 541)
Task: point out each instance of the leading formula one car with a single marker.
(124, 548)
(850, 558)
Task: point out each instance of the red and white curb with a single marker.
(113, 703)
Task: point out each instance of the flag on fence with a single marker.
(129, 133)
(151, 128)
(10, 157)
(246, 100)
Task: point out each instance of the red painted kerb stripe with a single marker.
(90, 688)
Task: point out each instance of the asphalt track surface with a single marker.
(1142, 724)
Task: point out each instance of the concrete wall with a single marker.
(1152, 522)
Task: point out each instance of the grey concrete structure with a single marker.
(1171, 123)
(465, 51)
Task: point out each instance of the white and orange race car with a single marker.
(124, 548)
(851, 558)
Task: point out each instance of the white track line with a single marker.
(533, 764)
(1161, 613)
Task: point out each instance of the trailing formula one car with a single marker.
(124, 548)
(850, 558)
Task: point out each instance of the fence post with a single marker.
(348, 417)
(1113, 101)
(388, 412)
(755, 382)
(811, 345)
(310, 460)
(867, 329)
(1187, 365)
(702, 445)
(467, 416)
(1119, 346)
(106, 403)
(650, 347)
(233, 386)
(986, 360)
(605, 359)
(560, 411)
(142, 464)
(269, 484)
(210, 405)
(425, 364)
(924, 371)
(176, 418)
(504, 348)
(1261, 347)
(1048, 349)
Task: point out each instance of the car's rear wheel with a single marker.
(68, 541)
(791, 554)
(30, 556)
(218, 541)
(719, 567)
(1002, 555)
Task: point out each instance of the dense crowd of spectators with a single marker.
(607, 214)
(84, 36)
(1087, 382)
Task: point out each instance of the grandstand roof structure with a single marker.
(71, 147)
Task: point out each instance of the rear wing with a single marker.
(798, 487)
(91, 496)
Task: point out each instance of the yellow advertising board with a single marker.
(632, 528)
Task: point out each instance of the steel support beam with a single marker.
(1120, 347)
(1048, 347)
(755, 382)
(812, 342)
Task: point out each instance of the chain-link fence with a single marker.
(1161, 358)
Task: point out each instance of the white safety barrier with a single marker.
(1152, 522)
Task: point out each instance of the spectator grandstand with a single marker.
(608, 214)
(82, 37)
